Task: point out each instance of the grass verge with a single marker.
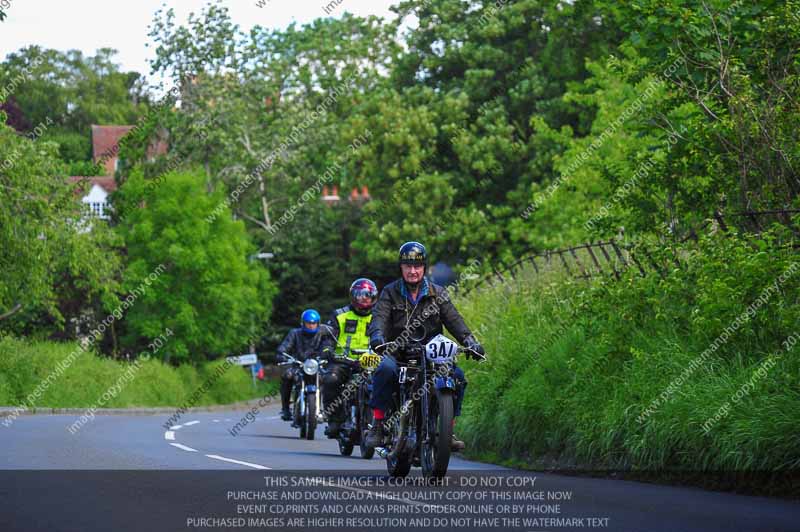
(91, 380)
(691, 374)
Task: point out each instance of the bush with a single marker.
(574, 367)
(24, 365)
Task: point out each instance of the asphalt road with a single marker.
(129, 472)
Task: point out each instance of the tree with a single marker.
(734, 93)
(15, 116)
(465, 112)
(256, 92)
(202, 285)
(69, 92)
(52, 268)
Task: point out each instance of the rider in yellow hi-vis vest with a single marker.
(349, 325)
(353, 339)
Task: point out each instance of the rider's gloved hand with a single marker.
(471, 343)
(375, 342)
(381, 346)
(327, 354)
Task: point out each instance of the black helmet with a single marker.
(413, 253)
(363, 296)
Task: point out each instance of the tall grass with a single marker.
(574, 364)
(25, 364)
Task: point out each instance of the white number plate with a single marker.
(441, 349)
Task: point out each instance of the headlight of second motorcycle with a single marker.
(310, 366)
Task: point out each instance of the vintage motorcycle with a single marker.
(420, 428)
(356, 395)
(305, 392)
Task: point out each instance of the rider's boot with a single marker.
(375, 435)
(333, 428)
(286, 415)
(456, 445)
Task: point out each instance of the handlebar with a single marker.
(292, 360)
(477, 356)
(421, 349)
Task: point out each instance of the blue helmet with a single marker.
(309, 316)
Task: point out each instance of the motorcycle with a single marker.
(354, 430)
(420, 429)
(306, 396)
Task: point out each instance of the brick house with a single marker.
(330, 195)
(96, 200)
(105, 146)
(105, 152)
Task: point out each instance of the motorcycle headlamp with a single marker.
(310, 366)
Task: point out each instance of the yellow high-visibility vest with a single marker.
(352, 330)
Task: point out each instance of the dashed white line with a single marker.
(183, 447)
(216, 421)
(191, 423)
(248, 464)
(169, 435)
(273, 417)
(175, 427)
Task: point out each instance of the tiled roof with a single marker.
(105, 144)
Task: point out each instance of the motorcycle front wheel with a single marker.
(438, 435)
(300, 421)
(345, 446)
(364, 422)
(297, 415)
(400, 464)
(310, 422)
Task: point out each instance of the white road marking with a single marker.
(169, 435)
(248, 464)
(216, 421)
(228, 419)
(175, 427)
(273, 417)
(191, 423)
(179, 446)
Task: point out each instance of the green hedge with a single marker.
(25, 364)
(574, 366)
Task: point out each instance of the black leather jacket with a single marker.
(395, 318)
(301, 344)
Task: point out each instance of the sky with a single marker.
(88, 25)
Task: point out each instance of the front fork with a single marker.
(320, 416)
(301, 397)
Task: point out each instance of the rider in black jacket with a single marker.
(411, 309)
(301, 343)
